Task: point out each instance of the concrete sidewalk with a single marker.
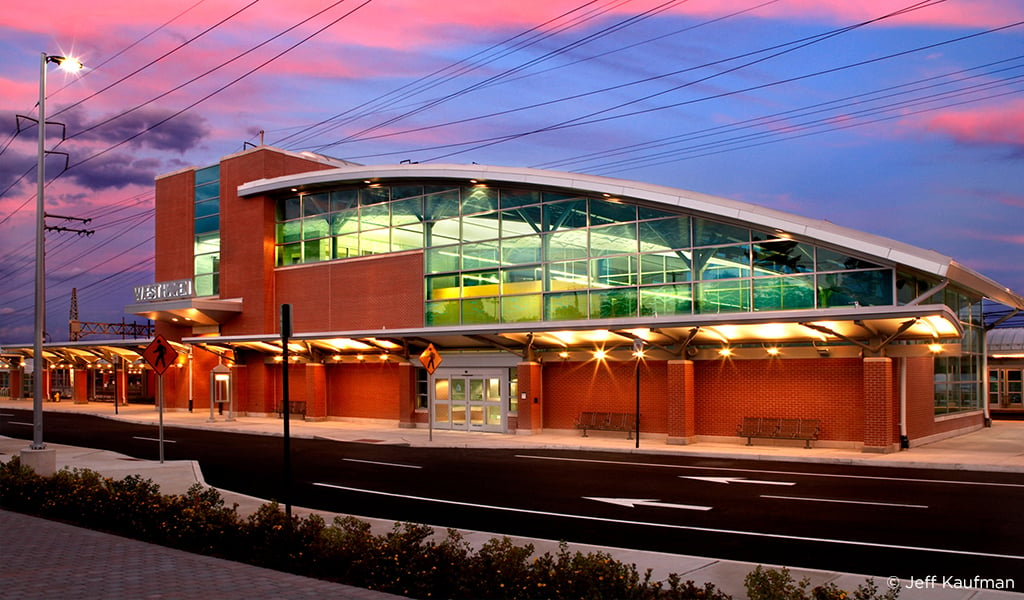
(999, 448)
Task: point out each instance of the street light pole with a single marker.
(38, 362)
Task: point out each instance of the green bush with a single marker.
(408, 560)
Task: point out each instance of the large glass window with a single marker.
(509, 255)
(206, 231)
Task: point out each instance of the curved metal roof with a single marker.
(1007, 339)
(759, 217)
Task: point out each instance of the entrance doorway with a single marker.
(1006, 388)
(471, 400)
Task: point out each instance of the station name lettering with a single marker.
(165, 290)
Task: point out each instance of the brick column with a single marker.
(531, 398)
(316, 392)
(80, 386)
(879, 406)
(121, 383)
(681, 426)
(406, 395)
(15, 382)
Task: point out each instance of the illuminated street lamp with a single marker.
(39, 369)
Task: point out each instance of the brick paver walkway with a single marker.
(48, 559)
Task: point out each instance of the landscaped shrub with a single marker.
(408, 560)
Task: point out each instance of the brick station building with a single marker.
(547, 295)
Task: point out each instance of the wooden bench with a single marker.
(779, 429)
(607, 421)
(295, 407)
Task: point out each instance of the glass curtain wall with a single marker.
(207, 231)
(504, 255)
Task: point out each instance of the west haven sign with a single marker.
(165, 290)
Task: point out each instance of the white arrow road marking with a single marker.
(634, 502)
(728, 480)
(777, 536)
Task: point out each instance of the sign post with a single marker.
(160, 355)
(431, 360)
(286, 333)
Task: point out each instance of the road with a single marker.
(876, 521)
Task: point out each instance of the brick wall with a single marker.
(368, 390)
(830, 389)
(603, 386)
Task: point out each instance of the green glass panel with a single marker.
(207, 285)
(568, 275)
(665, 267)
(479, 310)
(479, 199)
(614, 239)
(616, 271)
(783, 256)
(607, 304)
(377, 241)
(407, 237)
(289, 208)
(375, 217)
(442, 205)
(442, 259)
(481, 255)
(206, 209)
(345, 221)
(522, 281)
(316, 250)
(315, 204)
(666, 300)
(443, 287)
(315, 227)
(521, 221)
(784, 293)
(566, 245)
(763, 236)
(289, 254)
(520, 309)
(440, 233)
(565, 306)
(207, 192)
(565, 215)
(480, 227)
(346, 246)
(646, 213)
(514, 198)
(344, 199)
(405, 212)
(714, 297)
(480, 283)
(207, 224)
(666, 234)
(374, 195)
(442, 313)
(405, 191)
(725, 262)
(603, 212)
(205, 244)
(521, 250)
(866, 288)
(829, 260)
(207, 263)
(207, 174)
(712, 233)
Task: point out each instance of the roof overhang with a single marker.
(863, 329)
(90, 353)
(188, 311)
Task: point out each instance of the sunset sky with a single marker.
(901, 118)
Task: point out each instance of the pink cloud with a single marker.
(1002, 125)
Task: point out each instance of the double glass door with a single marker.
(470, 401)
(1005, 388)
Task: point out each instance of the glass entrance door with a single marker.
(470, 401)
(1005, 388)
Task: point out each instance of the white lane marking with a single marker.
(635, 502)
(149, 439)
(845, 501)
(804, 473)
(20, 423)
(384, 464)
(680, 527)
(728, 480)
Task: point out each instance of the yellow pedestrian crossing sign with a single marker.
(431, 359)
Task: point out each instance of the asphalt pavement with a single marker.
(77, 563)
